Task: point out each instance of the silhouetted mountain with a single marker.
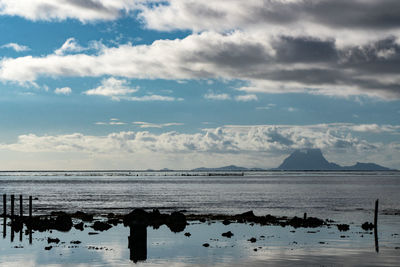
(365, 167)
(312, 159)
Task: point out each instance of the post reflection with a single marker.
(4, 227)
(137, 242)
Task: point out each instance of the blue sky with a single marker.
(183, 84)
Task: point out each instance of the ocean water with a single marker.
(343, 196)
(347, 197)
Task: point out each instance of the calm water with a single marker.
(342, 196)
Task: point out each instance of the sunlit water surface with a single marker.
(347, 197)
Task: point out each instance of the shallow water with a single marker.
(343, 196)
(275, 246)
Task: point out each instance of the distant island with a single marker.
(306, 160)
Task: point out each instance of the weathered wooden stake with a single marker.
(376, 226)
(21, 213)
(4, 205)
(305, 215)
(12, 206)
(376, 214)
(30, 207)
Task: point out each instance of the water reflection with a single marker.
(137, 242)
(16, 226)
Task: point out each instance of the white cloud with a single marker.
(112, 87)
(85, 11)
(214, 96)
(246, 98)
(70, 45)
(255, 59)
(143, 124)
(346, 22)
(63, 91)
(153, 98)
(16, 47)
(266, 142)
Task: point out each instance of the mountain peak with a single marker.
(313, 159)
(307, 159)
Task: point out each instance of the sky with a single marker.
(181, 84)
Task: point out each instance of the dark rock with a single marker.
(226, 222)
(312, 222)
(202, 220)
(252, 240)
(228, 234)
(53, 240)
(188, 234)
(246, 215)
(48, 248)
(367, 226)
(101, 226)
(17, 224)
(83, 216)
(93, 233)
(176, 222)
(63, 223)
(343, 227)
(75, 242)
(79, 226)
(137, 216)
(113, 221)
(206, 245)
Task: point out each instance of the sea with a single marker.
(343, 196)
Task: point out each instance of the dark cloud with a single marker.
(355, 14)
(305, 49)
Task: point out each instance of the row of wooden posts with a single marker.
(21, 214)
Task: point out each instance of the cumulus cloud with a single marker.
(63, 91)
(337, 140)
(70, 45)
(83, 10)
(335, 48)
(277, 65)
(345, 21)
(16, 47)
(112, 87)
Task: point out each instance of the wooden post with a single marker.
(376, 226)
(305, 216)
(21, 213)
(12, 206)
(4, 205)
(376, 214)
(30, 207)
